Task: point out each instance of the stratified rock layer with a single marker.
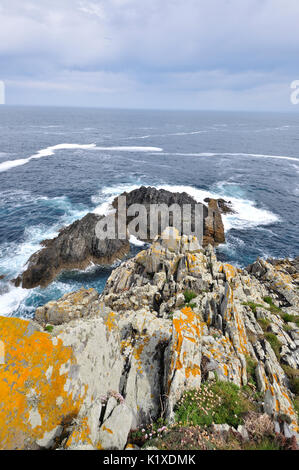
(116, 362)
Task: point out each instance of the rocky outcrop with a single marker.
(75, 247)
(213, 230)
(168, 320)
(78, 245)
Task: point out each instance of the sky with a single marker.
(157, 54)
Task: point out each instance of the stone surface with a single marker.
(119, 360)
(78, 245)
(75, 247)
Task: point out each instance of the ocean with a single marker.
(57, 164)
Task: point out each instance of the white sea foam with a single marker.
(225, 154)
(11, 300)
(165, 135)
(130, 149)
(7, 165)
(135, 241)
(247, 214)
(13, 256)
(4, 166)
(106, 196)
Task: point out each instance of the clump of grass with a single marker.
(293, 375)
(189, 295)
(192, 305)
(265, 444)
(274, 342)
(250, 367)
(49, 328)
(215, 402)
(264, 323)
(287, 318)
(272, 306)
(254, 306)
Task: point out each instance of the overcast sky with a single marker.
(172, 54)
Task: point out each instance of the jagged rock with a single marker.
(138, 345)
(114, 431)
(80, 304)
(75, 247)
(78, 245)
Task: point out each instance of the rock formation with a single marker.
(91, 368)
(77, 245)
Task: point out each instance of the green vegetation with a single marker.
(49, 328)
(293, 375)
(189, 295)
(266, 444)
(253, 306)
(192, 305)
(250, 366)
(275, 344)
(215, 402)
(272, 306)
(264, 323)
(290, 318)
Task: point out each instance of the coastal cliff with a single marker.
(119, 370)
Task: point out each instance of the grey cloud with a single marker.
(151, 48)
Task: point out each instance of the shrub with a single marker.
(259, 426)
(215, 402)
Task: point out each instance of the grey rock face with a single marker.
(75, 247)
(144, 341)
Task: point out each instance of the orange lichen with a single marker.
(31, 380)
(110, 322)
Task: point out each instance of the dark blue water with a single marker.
(238, 156)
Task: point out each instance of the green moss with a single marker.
(216, 402)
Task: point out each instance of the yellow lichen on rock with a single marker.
(35, 391)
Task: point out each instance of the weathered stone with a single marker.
(114, 431)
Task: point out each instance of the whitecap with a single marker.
(7, 165)
(247, 213)
(226, 154)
